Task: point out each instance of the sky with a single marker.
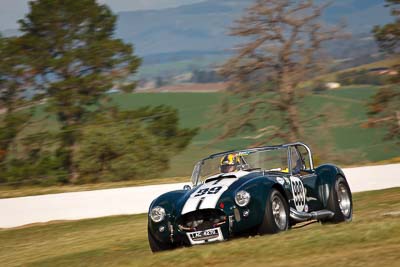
(12, 10)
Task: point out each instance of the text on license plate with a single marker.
(206, 235)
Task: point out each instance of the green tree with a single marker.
(388, 35)
(10, 126)
(160, 82)
(384, 109)
(36, 164)
(15, 79)
(75, 59)
(15, 75)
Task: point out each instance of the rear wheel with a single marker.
(155, 245)
(340, 201)
(276, 215)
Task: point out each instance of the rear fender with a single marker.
(326, 180)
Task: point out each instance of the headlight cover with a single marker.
(242, 198)
(157, 214)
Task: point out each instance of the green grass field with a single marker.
(344, 133)
(372, 239)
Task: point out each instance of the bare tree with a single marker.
(282, 50)
(384, 109)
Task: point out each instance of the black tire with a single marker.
(340, 201)
(276, 219)
(155, 245)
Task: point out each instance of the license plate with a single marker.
(209, 235)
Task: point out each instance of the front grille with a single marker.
(200, 220)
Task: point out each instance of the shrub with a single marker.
(131, 145)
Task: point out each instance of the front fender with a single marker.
(259, 190)
(171, 202)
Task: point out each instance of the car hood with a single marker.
(207, 195)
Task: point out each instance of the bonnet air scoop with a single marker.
(220, 177)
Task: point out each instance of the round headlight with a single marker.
(157, 214)
(242, 198)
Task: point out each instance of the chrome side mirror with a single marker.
(186, 187)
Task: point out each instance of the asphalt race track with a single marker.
(135, 200)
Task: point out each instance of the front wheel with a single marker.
(155, 245)
(276, 215)
(340, 201)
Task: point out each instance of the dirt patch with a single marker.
(392, 214)
(190, 87)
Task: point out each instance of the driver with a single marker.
(229, 163)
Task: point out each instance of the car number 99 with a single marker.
(209, 191)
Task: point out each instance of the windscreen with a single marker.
(265, 160)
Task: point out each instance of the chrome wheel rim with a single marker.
(279, 213)
(344, 199)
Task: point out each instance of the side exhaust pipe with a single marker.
(314, 215)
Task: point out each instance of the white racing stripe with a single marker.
(207, 195)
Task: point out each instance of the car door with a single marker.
(300, 159)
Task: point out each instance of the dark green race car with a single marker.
(261, 190)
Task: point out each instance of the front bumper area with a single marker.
(194, 228)
(203, 226)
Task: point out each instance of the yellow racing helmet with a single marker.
(229, 163)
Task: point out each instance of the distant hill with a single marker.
(204, 26)
(197, 27)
